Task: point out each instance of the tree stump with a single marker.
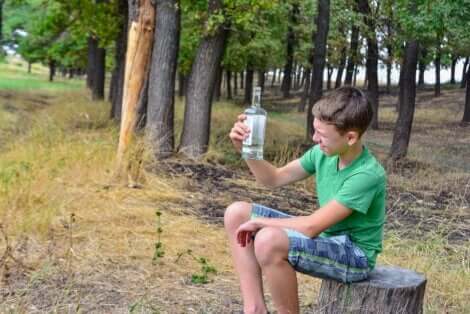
(387, 290)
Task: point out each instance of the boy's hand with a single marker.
(239, 132)
(246, 232)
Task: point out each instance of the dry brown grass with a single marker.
(101, 259)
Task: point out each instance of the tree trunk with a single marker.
(389, 68)
(437, 65)
(138, 55)
(422, 66)
(97, 88)
(329, 73)
(389, 61)
(261, 79)
(248, 85)
(181, 84)
(356, 70)
(274, 77)
(229, 84)
(217, 88)
(402, 134)
(372, 61)
(319, 55)
(352, 55)
(29, 67)
(242, 79)
(388, 290)
(235, 83)
(117, 78)
(303, 101)
(464, 73)
(92, 47)
(339, 75)
(452, 69)
(52, 70)
(291, 43)
(466, 114)
(197, 114)
(161, 101)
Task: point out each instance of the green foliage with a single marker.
(206, 268)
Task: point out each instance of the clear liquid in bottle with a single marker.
(256, 122)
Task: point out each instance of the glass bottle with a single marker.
(256, 122)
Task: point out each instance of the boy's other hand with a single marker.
(246, 232)
(239, 132)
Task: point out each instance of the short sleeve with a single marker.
(358, 191)
(308, 160)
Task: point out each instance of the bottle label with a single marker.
(256, 124)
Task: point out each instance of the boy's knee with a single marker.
(237, 213)
(271, 246)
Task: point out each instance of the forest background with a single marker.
(89, 227)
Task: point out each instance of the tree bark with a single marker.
(97, 88)
(235, 83)
(372, 61)
(261, 79)
(117, 78)
(92, 47)
(329, 73)
(303, 101)
(319, 55)
(452, 69)
(197, 115)
(161, 101)
(291, 43)
(437, 66)
(387, 290)
(422, 66)
(402, 134)
(273, 80)
(342, 64)
(466, 114)
(464, 73)
(52, 70)
(389, 60)
(229, 84)
(217, 89)
(181, 84)
(248, 85)
(138, 55)
(352, 55)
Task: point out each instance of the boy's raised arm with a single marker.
(264, 172)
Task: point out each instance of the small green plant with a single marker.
(159, 252)
(206, 268)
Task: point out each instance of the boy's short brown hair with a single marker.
(347, 108)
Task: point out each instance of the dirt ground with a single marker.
(38, 277)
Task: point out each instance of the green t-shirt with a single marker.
(361, 187)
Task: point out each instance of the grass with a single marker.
(15, 77)
(61, 163)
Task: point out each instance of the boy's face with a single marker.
(330, 140)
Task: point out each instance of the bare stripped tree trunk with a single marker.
(139, 47)
(160, 110)
(197, 114)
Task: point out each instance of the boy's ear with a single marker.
(352, 137)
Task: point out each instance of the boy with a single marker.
(342, 238)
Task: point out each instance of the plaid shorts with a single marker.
(324, 257)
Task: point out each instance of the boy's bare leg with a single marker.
(246, 265)
(271, 251)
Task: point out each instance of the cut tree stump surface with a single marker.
(388, 289)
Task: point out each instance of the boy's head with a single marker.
(347, 108)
